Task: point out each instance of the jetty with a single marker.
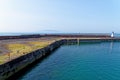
(19, 52)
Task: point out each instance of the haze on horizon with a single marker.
(73, 16)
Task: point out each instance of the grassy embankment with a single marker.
(19, 49)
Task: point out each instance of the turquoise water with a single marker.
(87, 61)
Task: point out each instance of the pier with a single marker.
(11, 67)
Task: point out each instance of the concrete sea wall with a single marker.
(10, 68)
(13, 66)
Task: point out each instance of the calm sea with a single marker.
(87, 61)
(16, 34)
(11, 34)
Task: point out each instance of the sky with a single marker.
(65, 16)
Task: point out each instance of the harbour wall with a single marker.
(10, 68)
(55, 35)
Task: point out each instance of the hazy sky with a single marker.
(80, 16)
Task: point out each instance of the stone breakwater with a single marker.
(10, 68)
(13, 66)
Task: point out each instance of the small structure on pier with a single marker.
(112, 35)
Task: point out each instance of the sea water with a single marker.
(86, 61)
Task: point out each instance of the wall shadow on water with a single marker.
(19, 74)
(89, 43)
(83, 43)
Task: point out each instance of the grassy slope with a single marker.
(18, 49)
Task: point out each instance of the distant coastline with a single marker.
(17, 34)
(33, 33)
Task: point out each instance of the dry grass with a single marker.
(37, 45)
(4, 58)
(19, 49)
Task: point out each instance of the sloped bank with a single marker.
(13, 66)
(10, 68)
